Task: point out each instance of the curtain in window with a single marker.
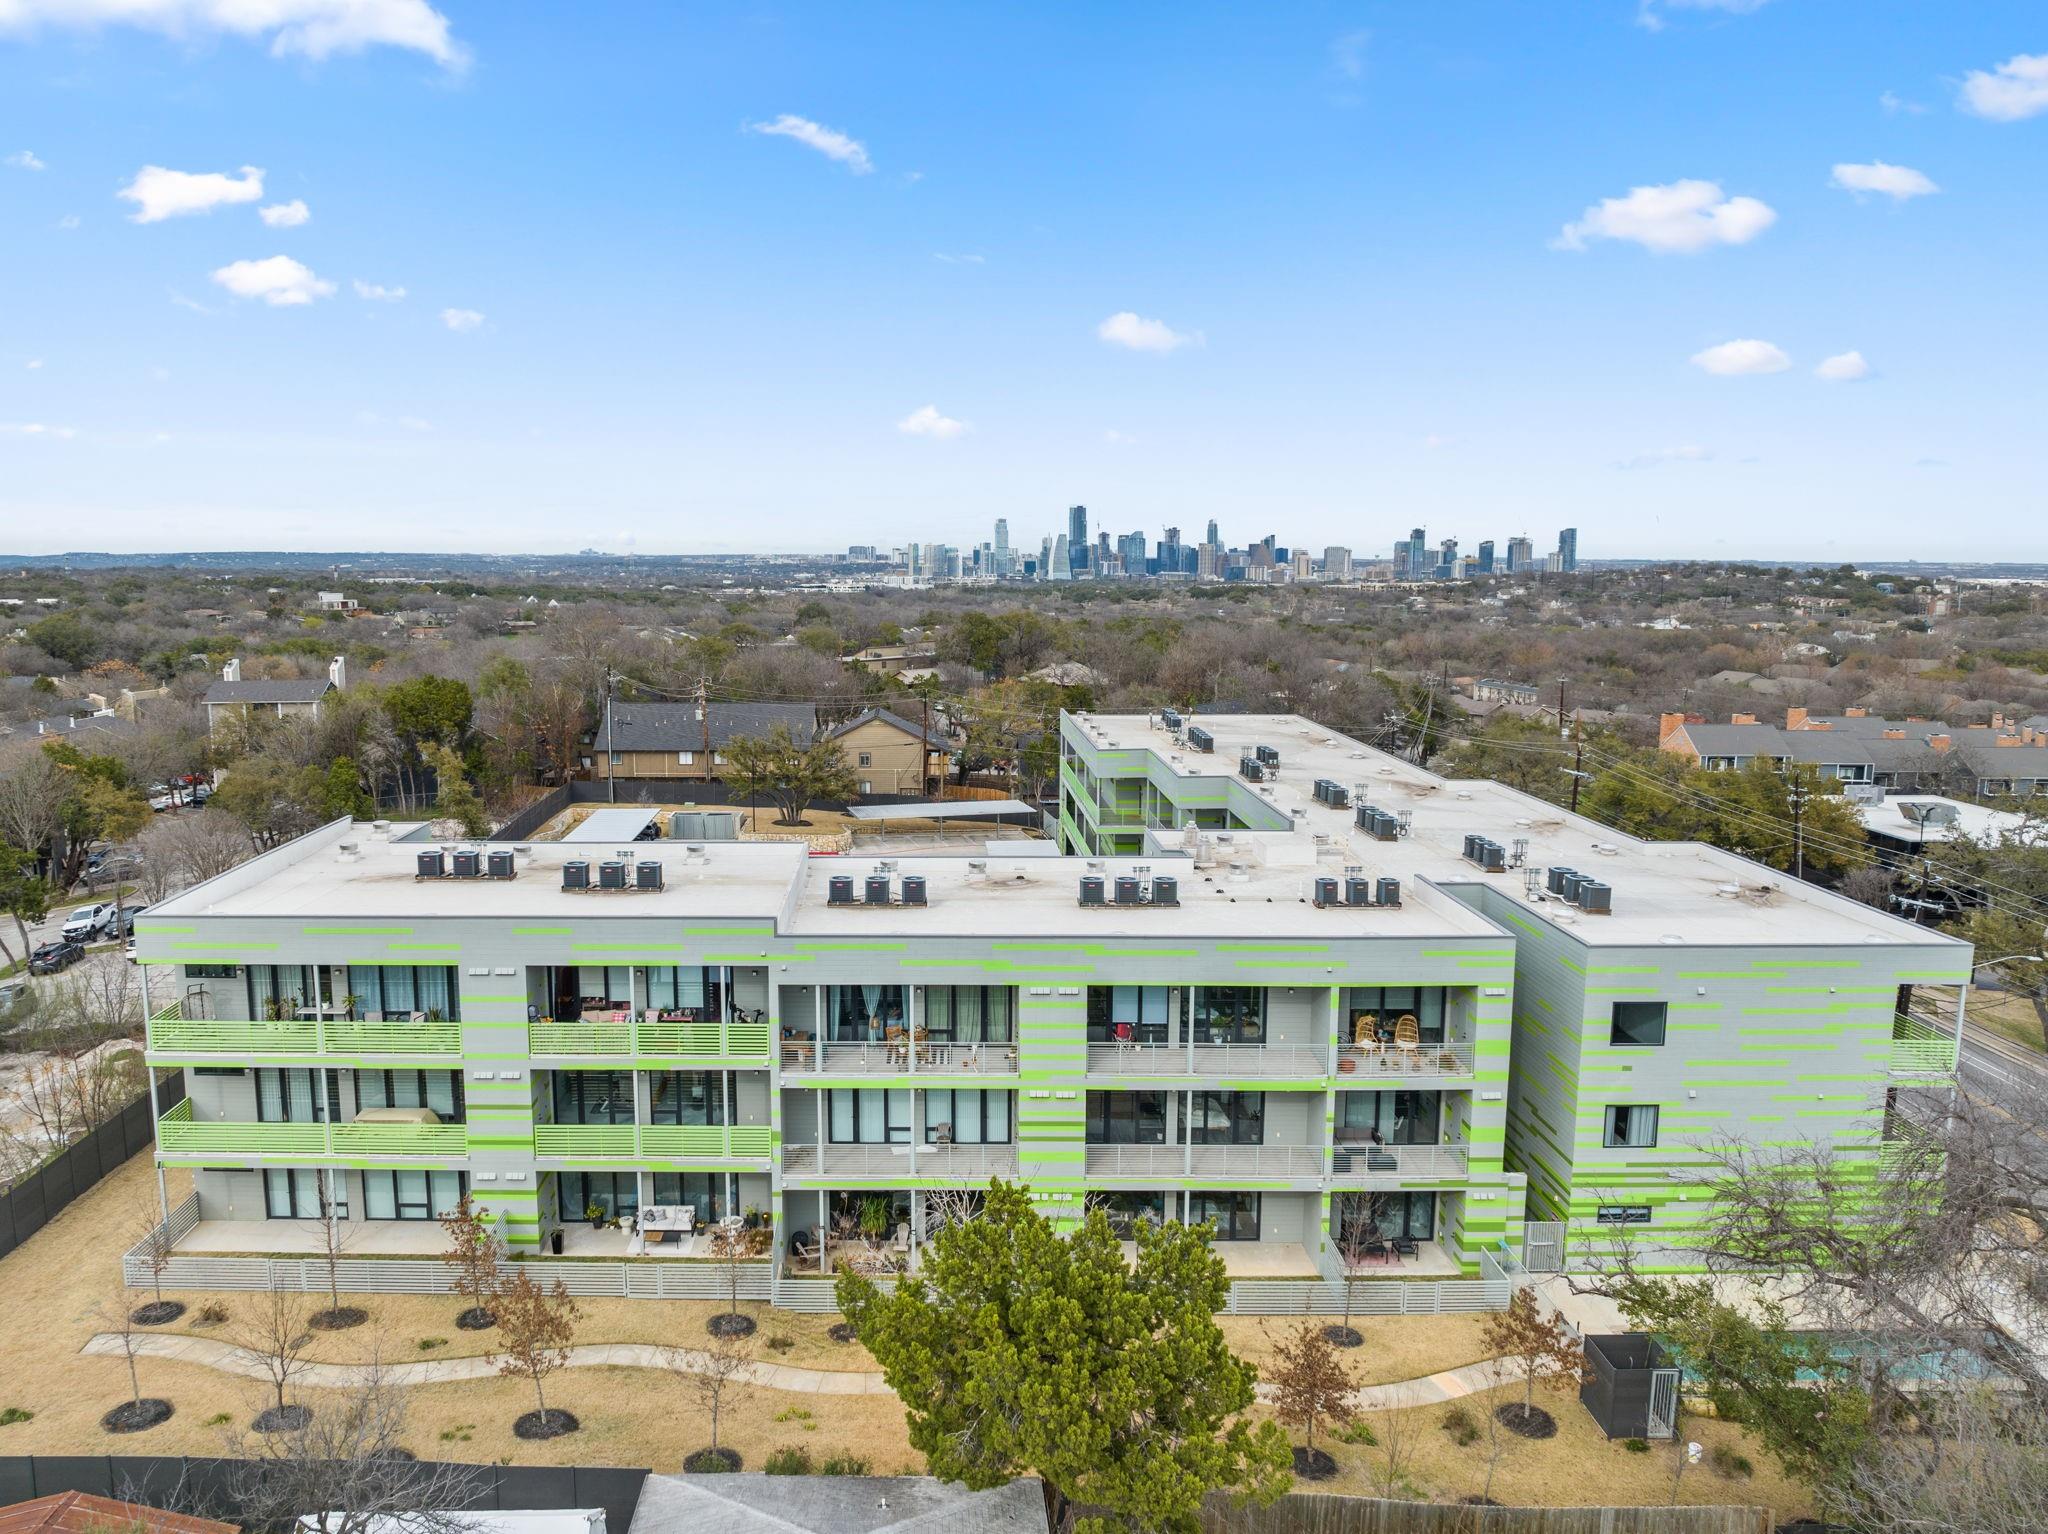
(295, 1095)
(870, 1116)
(294, 1194)
(278, 989)
(975, 1117)
(704, 1191)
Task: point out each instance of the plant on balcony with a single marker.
(1006, 1344)
(595, 1214)
(473, 1252)
(536, 1325)
(1309, 1384)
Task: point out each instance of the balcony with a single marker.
(971, 1162)
(620, 1036)
(1393, 1166)
(805, 1056)
(1450, 1058)
(172, 1033)
(1919, 1049)
(1208, 1061)
(653, 1142)
(178, 1134)
(1216, 1161)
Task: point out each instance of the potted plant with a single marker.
(874, 1217)
(594, 1213)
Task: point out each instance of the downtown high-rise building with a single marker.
(1060, 567)
(1418, 554)
(1000, 555)
(1521, 556)
(1336, 563)
(1486, 556)
(1077, 537)
(1568, 550)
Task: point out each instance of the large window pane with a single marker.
(1638, 1023)
(686, 1097)
(593, 1097)
(1126, 1118)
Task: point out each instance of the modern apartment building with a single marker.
(1287, 1000)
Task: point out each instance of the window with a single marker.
(618, 758)
(1141, 1009)
(686, 758)
(1634, 1126)
(686, 1097)
(968, 1014)
(862, 1013)
(1384, 1006)
(1383, 1216)
(694, 988)
(1228, 1014)
(1637, 1023)
(295, 1095)
(867, 759)
(1224, 1118)
(212, 971)
(1623, 1214)
(220, 1070)
(704, 1191)
(1402, 1118)
(1127, 1210)
(1126, 1118)
(870, 1116)
(399, 990)
(593, 1097)
(292, 1194)
(412, 1195)
(1236, 1214)
(967, 1117)
(616, 1193)
(439, 1090)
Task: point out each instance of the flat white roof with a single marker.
(1953, 818)
(951, 809)
(616, 826)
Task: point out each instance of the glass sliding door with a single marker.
(969, 1014)
(1129, 1014)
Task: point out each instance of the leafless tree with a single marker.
(32, 795)
(156, 1248)
(1981, 1466)
(731, 1249)
(117, 1320)
(274, 1332)
(1395, 1431)
(51, 1102)
(475, 1255)
(183, 850)
(708, 1374)
(336, 1236)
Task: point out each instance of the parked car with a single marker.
(88, 921)
(54, 957)
(12, 994)
(163, 797)
(123, 925)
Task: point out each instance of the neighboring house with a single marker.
(2004, 757)
(753, 1503)
(1493, 690)
(686, 740)
(78, 1512)
(335, 602)
(892, 657)
(233, 698)
(886, 751)
(1069, 673)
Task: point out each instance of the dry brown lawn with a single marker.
(60, 1285)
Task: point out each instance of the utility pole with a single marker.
(1578, 764)
(1798, 827)
(611, 775)
(924, 764)
(704, 718)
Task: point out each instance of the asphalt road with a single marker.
(1993, 1066)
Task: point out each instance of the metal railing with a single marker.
(1204, 1160)
(171, 1032)
(1356, 1165)
(1451, 1057)
(649, 1036)
(653, 1142)
(975, 1161)
(1919, 1049)
(881, 1057)
(1289, 1060)
(178, 1134)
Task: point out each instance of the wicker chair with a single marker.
(1408, 1039)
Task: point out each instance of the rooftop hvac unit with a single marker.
(1336, 795)
(1170, 718)
(1493, 857)
(647, 874)
(1200, 739)
(468, 865)
(576, 876)
(1357, 890)
(1166, 890)
(877, 889)
(1388, 893)
(1127, 889)
(1091, 890)
(1553, 880)
(1250, 769)
(1325, 892)
(431, 865)
(611, 875)
(913, 889)
(1568, 887)
(1595, 897)
(839, 890)
(499, 865)
(1268, 755)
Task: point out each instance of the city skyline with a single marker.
(443, 277)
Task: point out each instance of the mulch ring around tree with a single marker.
(731, 1324)
(1313, 1464)
(1526, 1421)
(475, 1319)
(1344, 1336)
(552, 1423)
(712, 1461)
(842, 1331)
(134, 1416)
(338, 1320)
(157, 1313)
(283, 1419)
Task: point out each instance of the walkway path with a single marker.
(211, 1353)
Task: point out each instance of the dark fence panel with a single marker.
(208, 1483)
(37, 1199)
(1311, 1514)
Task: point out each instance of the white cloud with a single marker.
(1732, 358)
(277, 280)
(829, 142)
(1683, 216)
(461, 319)
(1348, 53)
(24, 159)
(285, 215)
(1897, 182)
(159, 194)
(1843, 367)
(1117, 438)
(2016, 89)
(33, 363)
(952, 260)
(376, 292)
(1893, 104)
(36, 429)
(925, 421)
(1688, 453)
(188, 303)
(1649, 15)
(311, 28)
(1143, 335)
(1437, 441)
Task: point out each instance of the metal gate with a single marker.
(1543, 1246)
(1663, 1403)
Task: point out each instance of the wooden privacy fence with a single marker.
(1312, 1514)
(33, 1201)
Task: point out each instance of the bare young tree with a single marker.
(476, 1256)
(275, 1334)
(731, 1249)
(336, 1235)
(156, 1248)
(536, 1325)
(182, 850)
(117, 1320)
(1352, 1243)
(49, 1103)
(1395, 1432)
(708, 1374)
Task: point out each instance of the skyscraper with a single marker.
(1077, 537)
(1131, 548)
(1418, 554)
(1061, 567)
(1218, 542)
(1169, 552)
(1447, 560)
(1521, 556)
(1336, 563)
(1000, 563)
(1568, 550)
(1486, 556)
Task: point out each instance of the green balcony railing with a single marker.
(171, 1032)
(650, 1038)
(178, 1134)
(1920, 1050)
(652, 1142)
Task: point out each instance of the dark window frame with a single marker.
(1637, 1014)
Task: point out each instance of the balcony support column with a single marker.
(163, 1197)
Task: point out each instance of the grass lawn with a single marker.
(60, 1285)
(2012, 1018)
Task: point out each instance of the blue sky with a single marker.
(1325, 270)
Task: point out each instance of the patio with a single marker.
(305, 1238)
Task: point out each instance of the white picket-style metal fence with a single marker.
(1325, 1297)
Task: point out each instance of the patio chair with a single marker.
(1408, 1039)
(1407, 1246)
(801, 1246)
(1375, 1250)
(902, 1243)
